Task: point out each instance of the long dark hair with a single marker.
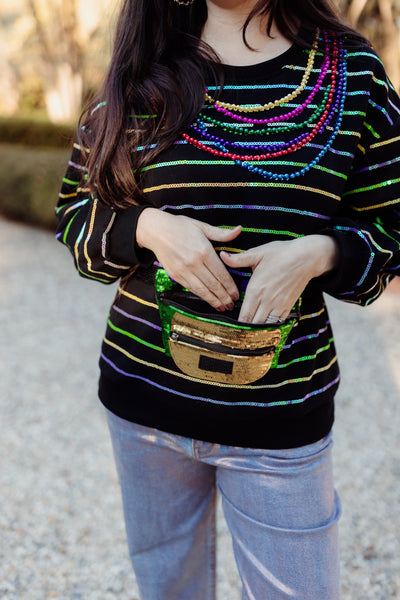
(156, 79)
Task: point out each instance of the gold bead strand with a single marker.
(276, 103)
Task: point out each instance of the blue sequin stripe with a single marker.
(221, 402)
(284, 209)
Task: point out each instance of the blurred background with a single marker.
(53, 55)
(61, 526)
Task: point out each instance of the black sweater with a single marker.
(345, 183)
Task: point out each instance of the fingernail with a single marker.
(230, 306)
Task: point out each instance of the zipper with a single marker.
(186, 339)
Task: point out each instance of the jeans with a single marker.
(280, 506)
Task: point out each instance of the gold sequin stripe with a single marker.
(215, 383)
(136, 298)
(246, 184)
(374, 206)
(276, 103)
(385, 142)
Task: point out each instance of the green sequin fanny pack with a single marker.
(211, 346)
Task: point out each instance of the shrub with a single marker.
(35, 133)
(30, 182)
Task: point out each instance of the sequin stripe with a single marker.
(369, 188)
(72, 207)
(304, 213)
(374, 206)
(305, 338)
(305, 358)
(68, 227)
(369, 240)
(383, 282)
(123, 292)
(312, 315)
(134, 337)
(70, 181)
(385, 142)
(235, 251)
(104, 246)
(77, 262)
(276, 232)
(244, 184)
(64, 196)
(215, 383)
(135, 318)
(209, 400)
(367, 234)
(387, 234)
(229, 163)
(77, 166)
(396, 108)
(372, 130)
(387, 163)
(86, 242)
(78, 147)
(382, 110)
(369, 54)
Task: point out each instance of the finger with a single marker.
(241, 259)
(249, 307)
(221, 279)
(217, 234)
(198, 287)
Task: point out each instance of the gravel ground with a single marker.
(62, 533)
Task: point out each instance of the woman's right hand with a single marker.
(182, 245)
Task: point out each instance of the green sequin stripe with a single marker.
(370, 54)
(372, 130)
(269, 231)
(374, 187)
(309, 357)
(134, 337)
(70, 181)
(65, 236)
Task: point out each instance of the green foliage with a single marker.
(30, 182)
(35, 133)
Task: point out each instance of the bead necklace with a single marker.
(274, 127)
(295, 112)
(284, 100)
(285, 148)
(332, 104)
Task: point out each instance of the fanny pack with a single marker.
(212, 346)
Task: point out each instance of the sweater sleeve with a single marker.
(101, 239)
(367, 226)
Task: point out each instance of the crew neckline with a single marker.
(269, 66)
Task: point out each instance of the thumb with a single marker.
(217, 234)
(242, 259)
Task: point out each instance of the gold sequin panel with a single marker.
(194, 349)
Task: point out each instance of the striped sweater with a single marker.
(343, 181)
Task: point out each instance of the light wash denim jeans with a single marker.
(280, 507)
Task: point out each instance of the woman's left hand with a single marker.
(281, 271)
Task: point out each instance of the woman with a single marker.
(244, 146)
